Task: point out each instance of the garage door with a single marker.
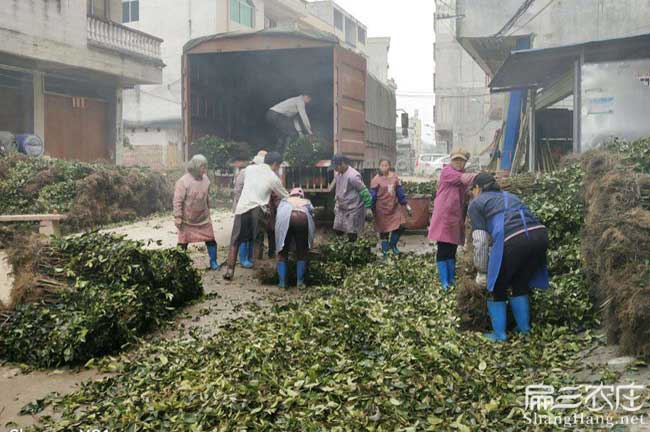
(76, 128)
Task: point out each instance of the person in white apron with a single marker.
(516, 260)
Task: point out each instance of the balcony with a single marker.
(116, 37)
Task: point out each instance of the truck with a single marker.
(230, 80)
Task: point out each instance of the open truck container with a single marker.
(231, 80)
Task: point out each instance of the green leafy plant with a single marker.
(304, 151)
(91, 295)
(379, 351)
(220, 152)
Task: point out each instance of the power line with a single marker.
(513, 20)
(533, 17)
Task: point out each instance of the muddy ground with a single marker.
(225, 301)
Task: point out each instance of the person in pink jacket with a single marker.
(447, 227)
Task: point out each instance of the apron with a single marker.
(495, 225)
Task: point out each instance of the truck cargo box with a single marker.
(231, 80)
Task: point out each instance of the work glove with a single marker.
(369, 215)
(409, 210)
(178, 222)
(481, 279)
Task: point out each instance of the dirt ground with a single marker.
(229, 300)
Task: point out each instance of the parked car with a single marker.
(424, 164)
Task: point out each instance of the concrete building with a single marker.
(63, 66)
(377, 50)
(465, 115)
(489, 30)
(350, 31)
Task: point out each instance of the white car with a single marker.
(424, 164)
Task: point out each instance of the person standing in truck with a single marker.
(289, 118)
(353, 200)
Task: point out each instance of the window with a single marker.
(242, 12)
(97, 8)
(350, 32)
(130, 10)
(338, 19)
(362, 35)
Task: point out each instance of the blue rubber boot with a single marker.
(250, 252)
(394, 238)
(521, 310)
(443, 274)
(301, 270)
(243, 256)
(451, 271)
(498, 317)
(282, 274)
(384, 247)
(212, 252)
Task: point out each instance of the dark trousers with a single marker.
(284, 127)
(298, 233)
(208, 243)
(446, 251)
(522, 257)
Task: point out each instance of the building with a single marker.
(377, 50)
(350, 31)
(489, 31)
(464, 112)
(152, 114)
(63, 66)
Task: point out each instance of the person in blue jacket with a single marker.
(516, 261)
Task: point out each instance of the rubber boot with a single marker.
(301, 270)
(498, 317)
(394, 238)
(384, 247)
(212, 252)
(451, 271)
(250, 251)
(521, 310)
(282, 274)
(243, 255)
(443, 274)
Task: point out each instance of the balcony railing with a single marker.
(114, 36)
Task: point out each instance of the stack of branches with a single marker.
(92, 194)
(89, 295)
(616, 247)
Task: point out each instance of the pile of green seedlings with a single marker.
(91, 194)
(90, 295)
(380, 350)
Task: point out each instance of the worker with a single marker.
(447, 227)
(259, 182)
(294, 225)
(387, 196)
(246, 248)
(352, 197)
(517, 258)
(290, 119)
(192, 208)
